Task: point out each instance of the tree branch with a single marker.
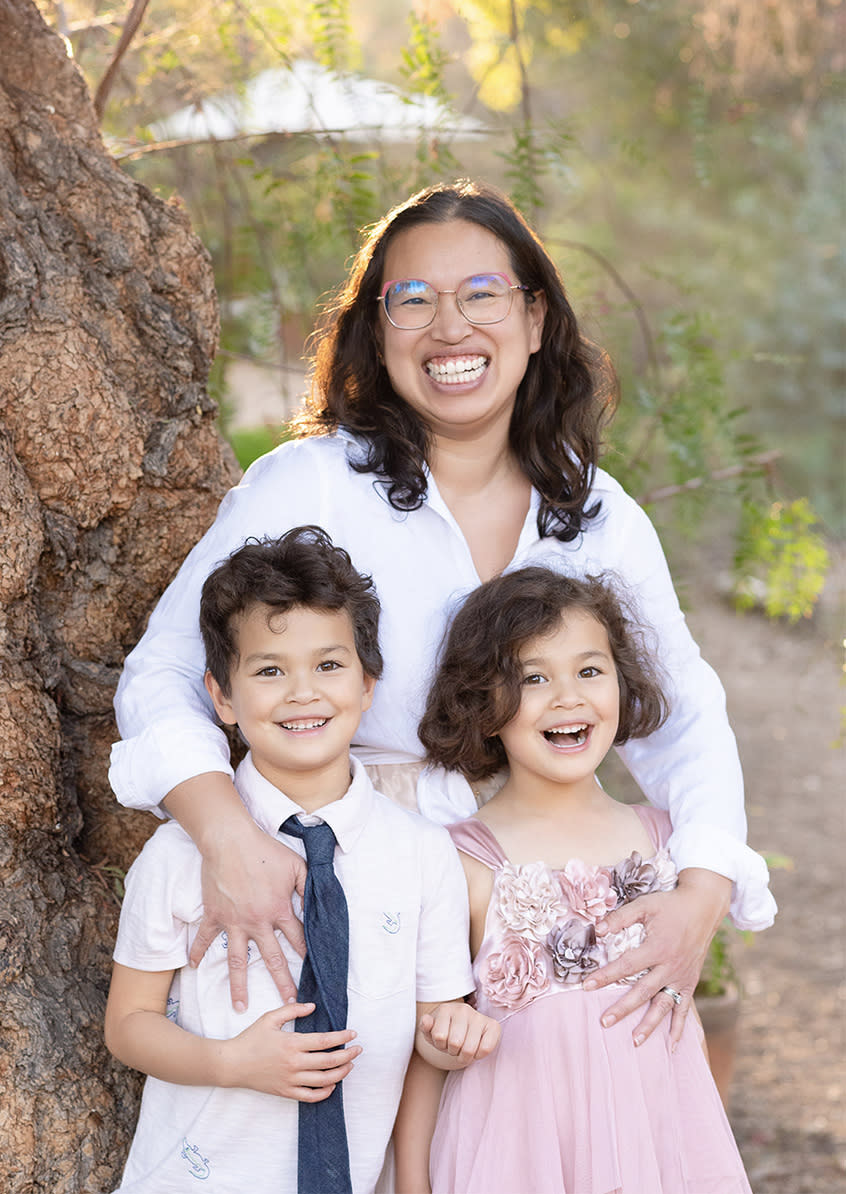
(637, 306)
(133, 21)
(764, 461)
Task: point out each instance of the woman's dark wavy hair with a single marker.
(301, 568)
(559, 411)
(478, 685)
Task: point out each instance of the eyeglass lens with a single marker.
(482, 298)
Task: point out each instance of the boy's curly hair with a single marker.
(478, 685)
(301, 568)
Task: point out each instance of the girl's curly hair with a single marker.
(478, 685)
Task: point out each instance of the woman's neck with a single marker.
(488, 496)
(464, 468)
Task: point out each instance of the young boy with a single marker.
(291, 636)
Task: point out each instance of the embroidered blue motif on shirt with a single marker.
(224, 941)
(199, 1165)
(391, 924)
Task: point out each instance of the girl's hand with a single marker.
(248, 881)
(459, 1032)
(295, 1065)
(679, 926)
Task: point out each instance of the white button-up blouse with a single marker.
(422, 568)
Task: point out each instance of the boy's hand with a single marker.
(457, 1029)
(291, 1064)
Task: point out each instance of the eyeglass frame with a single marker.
(512, 286)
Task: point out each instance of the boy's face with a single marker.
(297, 692)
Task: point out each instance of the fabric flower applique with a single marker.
(516, 973)
(617, 944)
(633, 877)
(573, 949)
(587, 890)
(529, 901)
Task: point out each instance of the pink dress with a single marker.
(565, 1106)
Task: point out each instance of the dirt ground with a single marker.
(787, 692)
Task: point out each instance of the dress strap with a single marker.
(656, 822)
(474, 838)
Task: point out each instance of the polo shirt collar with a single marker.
(269, 807)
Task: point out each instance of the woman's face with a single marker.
(461, 378)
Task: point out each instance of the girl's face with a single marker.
(570, 704)
(461, 378)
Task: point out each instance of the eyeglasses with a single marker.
(411, 304)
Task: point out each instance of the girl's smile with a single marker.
(568, 737)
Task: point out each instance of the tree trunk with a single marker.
(110, 468)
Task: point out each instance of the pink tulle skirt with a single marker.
(565, 1106)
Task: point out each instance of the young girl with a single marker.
(542, 672)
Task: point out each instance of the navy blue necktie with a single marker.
(323, 1161)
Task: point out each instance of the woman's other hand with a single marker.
(679, 927)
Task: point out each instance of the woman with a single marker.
(453, 432)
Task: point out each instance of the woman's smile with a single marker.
(456, 370)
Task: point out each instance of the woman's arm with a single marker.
(690, 767)
(262, 1057)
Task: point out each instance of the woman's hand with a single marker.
(295, 1065)
(248, 881)
(247, 889)
(679, 927)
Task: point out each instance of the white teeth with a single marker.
(303, 725)
(577, 733)
(457, 369)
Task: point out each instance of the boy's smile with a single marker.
(297, 692)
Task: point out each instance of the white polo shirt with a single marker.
(422, 568)
(409, 933)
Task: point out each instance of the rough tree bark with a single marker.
(110, 468)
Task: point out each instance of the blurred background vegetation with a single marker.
(683, 161)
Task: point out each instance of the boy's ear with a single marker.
(367, 698)
(222, 704)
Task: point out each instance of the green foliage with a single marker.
(781, 561)
(677, 423)
(423, 59)
(699, 197)
(524, 169)
(251, 442)
(333, 43)
(719, 974)
(423, 65)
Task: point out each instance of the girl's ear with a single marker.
(222, 703)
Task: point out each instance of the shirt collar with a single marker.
(269, 807)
